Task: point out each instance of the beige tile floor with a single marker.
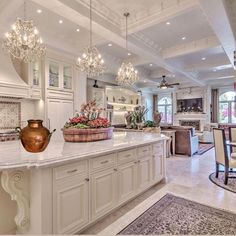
(186, 177)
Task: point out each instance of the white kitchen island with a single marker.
(71, 185)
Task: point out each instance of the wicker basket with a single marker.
(87, 135)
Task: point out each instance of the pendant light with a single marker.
(91, 61)
(127, 75)
(23, 41)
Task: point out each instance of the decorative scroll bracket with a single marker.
(12, 182)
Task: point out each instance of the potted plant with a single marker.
(138, 116)
(87, 125)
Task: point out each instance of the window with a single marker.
(165, 107)
(227, 107)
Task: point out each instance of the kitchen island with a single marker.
(69, 186)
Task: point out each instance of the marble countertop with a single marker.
(13, 155)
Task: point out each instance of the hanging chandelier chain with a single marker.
(91, 25)
(24, 10)
(126, 29)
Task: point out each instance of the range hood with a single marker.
(11, 84)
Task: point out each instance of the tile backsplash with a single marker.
(10, 115)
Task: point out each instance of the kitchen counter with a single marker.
(69, 186)
(13, 155)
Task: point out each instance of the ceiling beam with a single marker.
(69, 10)
(192, 47)
(177, 8)
(216, 14)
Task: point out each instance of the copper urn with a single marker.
(35, 137)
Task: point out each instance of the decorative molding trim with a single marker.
(147, 42)
(11, 182)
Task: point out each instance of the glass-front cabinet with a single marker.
(60, 75)
(53, 74)
(67, 77)
(36, 73)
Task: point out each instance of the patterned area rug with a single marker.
(204, 147)
(231, 186)
(175, 215)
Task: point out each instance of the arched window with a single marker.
(165, 107)
(227, 107)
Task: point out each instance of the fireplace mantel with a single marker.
(203, 118)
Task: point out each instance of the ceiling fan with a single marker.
(164, 84)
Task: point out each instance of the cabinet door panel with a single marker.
(70, 206)
(103, 191)
(144, 173)
(59, 111)
(127, 175)
(157, 167)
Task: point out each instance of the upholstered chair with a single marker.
(232, 138)
(221, 154)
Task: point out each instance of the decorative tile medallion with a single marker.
(10, 115)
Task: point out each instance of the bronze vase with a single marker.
(35, 137)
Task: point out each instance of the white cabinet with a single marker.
(70, 205)
(127, 181)
(103, 192)
(144, 173)
(158, 167)
(59, 75)
(86, 190)
(58, 112)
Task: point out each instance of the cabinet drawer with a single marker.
(144, 151)
(77, 168)
(157, 148)
(102, 162)
(126, 156)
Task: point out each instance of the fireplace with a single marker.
(193, 123)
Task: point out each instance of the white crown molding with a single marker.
(103, 11)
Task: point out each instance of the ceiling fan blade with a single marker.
(174, 84)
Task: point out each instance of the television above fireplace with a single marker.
(190, 105)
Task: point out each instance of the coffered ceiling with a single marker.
(190, 41)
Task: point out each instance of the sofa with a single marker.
(206, 136)
(186, 141)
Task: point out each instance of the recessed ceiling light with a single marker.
(214, 70)
(203, 58)
(183, 38)
(151, 64)
(60, 21)
(129, 54)
(39, 11)
(167, 23)
(109, 44)
(78, 30)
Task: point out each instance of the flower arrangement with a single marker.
(87, 125)
(88, 117)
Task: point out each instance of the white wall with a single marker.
(80, 94)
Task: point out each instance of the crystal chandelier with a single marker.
(23, 41)
(91, 62)
(127, 75)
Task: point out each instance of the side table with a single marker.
(170, 134)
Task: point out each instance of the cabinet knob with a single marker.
(135, 162)
(139, 161)
(115, 169)
(87, 179)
